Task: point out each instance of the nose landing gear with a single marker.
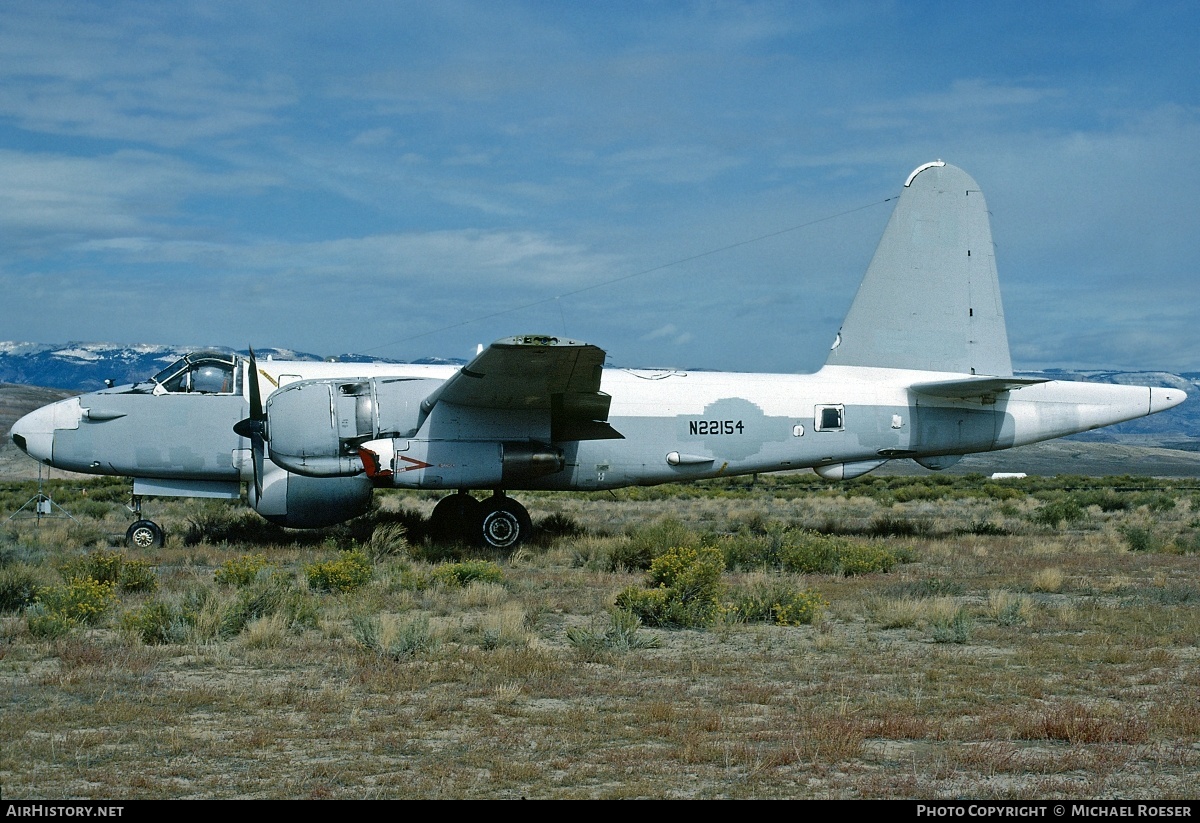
(143, 534)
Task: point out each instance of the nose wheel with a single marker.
(144, 534)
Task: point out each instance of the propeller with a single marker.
(254, 427)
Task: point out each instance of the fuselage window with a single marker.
(829, 418)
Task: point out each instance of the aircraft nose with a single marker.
(34, 433)
(1163, 399)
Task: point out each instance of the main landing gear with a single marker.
(143, 534)
(498, 522)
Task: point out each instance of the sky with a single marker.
(684, 184)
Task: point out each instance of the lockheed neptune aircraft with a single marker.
(920, 369)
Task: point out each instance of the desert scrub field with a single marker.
(782, 637)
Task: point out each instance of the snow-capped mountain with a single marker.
(85, 366)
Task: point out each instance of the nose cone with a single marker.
(34, 434)
(1163, 399)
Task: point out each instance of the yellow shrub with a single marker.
(351, 571)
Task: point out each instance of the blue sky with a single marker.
(411, 179)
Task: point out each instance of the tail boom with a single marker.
(1058, 408)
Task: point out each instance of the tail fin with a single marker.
(930, 299)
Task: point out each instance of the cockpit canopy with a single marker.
(202, 372)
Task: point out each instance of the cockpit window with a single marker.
(199, 373)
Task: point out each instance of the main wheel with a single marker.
(455, 519)
(504, 523)
(144, 534)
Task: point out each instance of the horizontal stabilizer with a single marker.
(972, 387)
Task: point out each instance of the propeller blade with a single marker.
(254, 426)
(256, 409)
(256, 422)
(258, 450)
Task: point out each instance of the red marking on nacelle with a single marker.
(416, 464)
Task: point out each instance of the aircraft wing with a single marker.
(969, 388)
(536, 372)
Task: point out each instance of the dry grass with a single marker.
(1049, 579)
(1072, 673)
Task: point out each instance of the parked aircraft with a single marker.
(920, 369)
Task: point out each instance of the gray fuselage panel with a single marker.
(143, 435)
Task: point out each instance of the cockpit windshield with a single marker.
(204, 372)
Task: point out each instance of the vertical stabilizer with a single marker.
(930, 299)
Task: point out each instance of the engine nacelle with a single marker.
(300, 502)
(458, 464)
(314, 427)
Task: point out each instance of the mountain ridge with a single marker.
(85, 366)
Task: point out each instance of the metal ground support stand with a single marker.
(43, 506)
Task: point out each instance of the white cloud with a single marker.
(126, 76)
(130, 191)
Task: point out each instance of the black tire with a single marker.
(144, 534)
(504, 523)
(455, 519)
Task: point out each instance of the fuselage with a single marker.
(673, 424)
